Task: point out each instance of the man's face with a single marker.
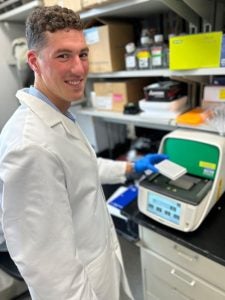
(61, 67)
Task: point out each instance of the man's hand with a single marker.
(148, 161)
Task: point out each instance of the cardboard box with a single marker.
(89, 3)
(192, 51)
(113, 96)
(51, 2)
(106, 41)
(74, 5)
(108, 1)
(86, 4)
(71, 4)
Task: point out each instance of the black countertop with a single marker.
(207, 240)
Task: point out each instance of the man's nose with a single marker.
(77, 65)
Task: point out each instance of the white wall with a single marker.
(9, 81)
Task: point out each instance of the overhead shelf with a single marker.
(126, 9)
(160, 73)
(19, 13)
(187, 9)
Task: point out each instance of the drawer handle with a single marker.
(190, 282)
(184, 255)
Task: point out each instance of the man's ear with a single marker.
(32, 61)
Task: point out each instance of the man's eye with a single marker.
(84, 55)
(63, 56)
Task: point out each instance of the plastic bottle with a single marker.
(130, 57)
(143, 53)
(159, 52)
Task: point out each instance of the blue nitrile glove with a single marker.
(147, 162)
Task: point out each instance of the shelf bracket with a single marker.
(219, 23)
(211, 12)
(184, 10)
(204, 8)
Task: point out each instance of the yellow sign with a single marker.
(193, 51)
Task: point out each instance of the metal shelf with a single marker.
(126, 9)
(154, 123)
(20, 13)
(160, 73)
(116, 117)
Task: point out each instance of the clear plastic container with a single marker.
(130, 57)
(159, 52)
(143, 53)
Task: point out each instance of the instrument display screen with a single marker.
(164, 207)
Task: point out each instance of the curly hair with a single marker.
(49, 18)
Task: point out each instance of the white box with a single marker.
(175, 105)
(214, 93)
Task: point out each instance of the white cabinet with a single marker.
(173, 272)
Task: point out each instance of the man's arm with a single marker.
(38, 226)
(111, 171)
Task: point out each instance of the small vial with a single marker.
(130, 57)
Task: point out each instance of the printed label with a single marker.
(208, 172)
(222, 94)
(143, 54)
(91, 35)
(117, 97)
(204, 164)
(130, 62)
(103, 102)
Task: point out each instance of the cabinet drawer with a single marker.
(175, 279)
(178, 282)
(160, 290)
(184, 257)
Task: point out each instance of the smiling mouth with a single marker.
(74, 83)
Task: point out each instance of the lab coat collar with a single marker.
(48, 114)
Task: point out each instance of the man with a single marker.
(53, 213)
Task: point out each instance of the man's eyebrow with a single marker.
(63, 50)
(86, 49)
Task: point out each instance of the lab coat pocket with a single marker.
(104, 274)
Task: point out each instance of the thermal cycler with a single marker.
(185, 202)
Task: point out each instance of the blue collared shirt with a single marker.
(36, 93)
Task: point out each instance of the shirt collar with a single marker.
(36, 93)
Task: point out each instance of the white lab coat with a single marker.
(53, 212)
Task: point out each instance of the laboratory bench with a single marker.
(182, 265)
